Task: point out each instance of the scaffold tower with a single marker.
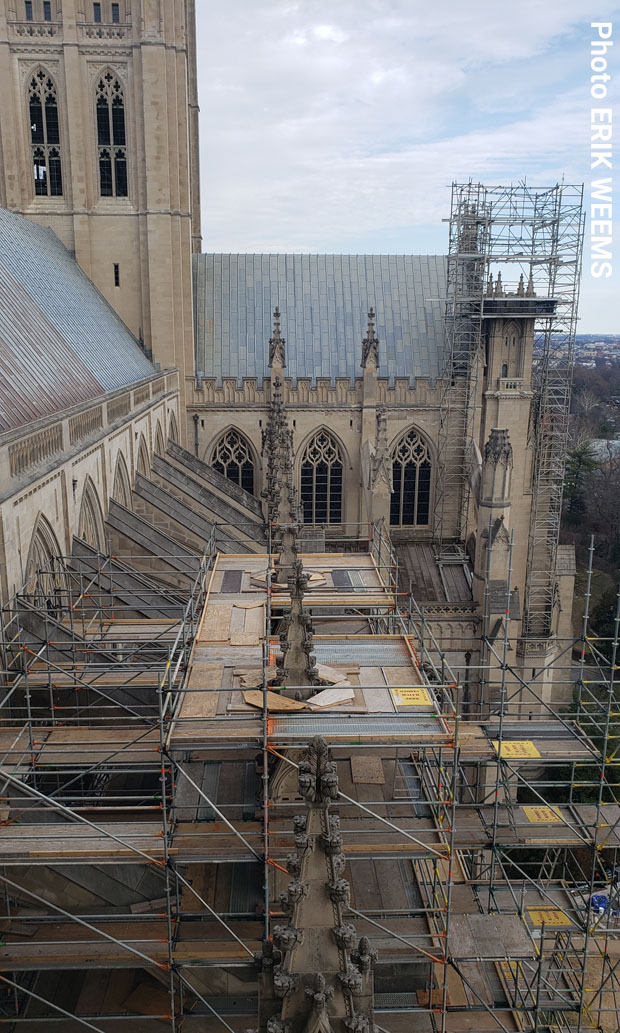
(514, 252)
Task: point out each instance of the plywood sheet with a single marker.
(255, 621)
(330, 674)
(275, 702)
(378, 701)
(367, 769)
(244, 638)
(332, 697)
(401, 675)
(216, 624)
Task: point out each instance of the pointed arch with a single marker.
(321, 479)
(90, 523)
(159, 446)
(45, 568)
(111, 135)
(173, 429)
(232, 455)
(143, 462)
(44, 134)
(121, 489)
(411, 481)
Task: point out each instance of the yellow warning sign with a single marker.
(516, 748)
(548, 916)
(542, 815)
(414, 696)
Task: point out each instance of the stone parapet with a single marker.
(26, 452)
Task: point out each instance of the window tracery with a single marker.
(111, 137)
(411, 482)
(45, 573)
(232, 457)
(45, 135)
(321, 480)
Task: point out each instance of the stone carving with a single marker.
(340, 892)
(277, 356)
(321, 992)
(286, 904)
(276, 1025)
(381, 460)
(365, 956)
(293, 865)
(345, 936)
(351, 979)
(300, 823)
(285, 937)
(318, 779)
(498, 448)
(284, 983)
(370, 344)
(339, 863)
(304, 843)
(268, 957)
(332, 843)
(358, 1024)
(298, 667)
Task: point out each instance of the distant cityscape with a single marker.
(593, 347)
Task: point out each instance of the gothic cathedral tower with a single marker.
(99, 141)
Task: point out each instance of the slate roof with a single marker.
(61, 343)
(324, 300)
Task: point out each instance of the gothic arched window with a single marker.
(232, 457)
(159, 441)
(111, 137)
(90, 523)
(44, 135)
(321, 481)
(411, 482)
(143, 463)
(121, 489)
(45, 572)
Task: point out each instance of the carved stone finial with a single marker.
(298, 666)
(499, 290)
(318, 779)
(365, 956)
(498, 448)
(530, 285)
(321, 992)
(370, 344)
(381, 462)
(277, 355)
(521, 287)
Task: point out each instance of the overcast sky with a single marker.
(339, 126)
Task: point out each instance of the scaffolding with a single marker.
(483, 855)
(528, 241)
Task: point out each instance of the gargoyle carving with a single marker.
(284, 984)
(340, 892)
(351, 979)
(285, 937)
(345, 936)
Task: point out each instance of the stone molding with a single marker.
(26, 451)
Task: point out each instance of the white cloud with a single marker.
(325, 124)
